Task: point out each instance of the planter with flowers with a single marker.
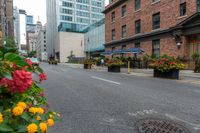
(114, 65)
(167, 67)
(88, 63)
(23, 107)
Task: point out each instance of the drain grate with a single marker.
(160, 126)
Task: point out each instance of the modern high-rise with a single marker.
(70, 16)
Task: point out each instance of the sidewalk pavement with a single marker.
(140, 72)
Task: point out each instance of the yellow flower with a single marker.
(32, 128)
(1, 118)
(22, 104)
(33, 110)
(17, 111)
(43, 127)
(40, 110)
(51, 116)
(50, 122)
(38, 118)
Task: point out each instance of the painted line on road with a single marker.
(106, 80)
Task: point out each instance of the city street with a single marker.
(100, 102)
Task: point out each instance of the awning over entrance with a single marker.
(107, 53)
(135, 50)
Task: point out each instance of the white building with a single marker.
(41, 47)
(65, 17)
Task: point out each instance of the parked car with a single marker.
(35, 61)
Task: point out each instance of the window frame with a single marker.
(154, 21)
(123, 11)
(113, 34)
(138, 27)
(113, 16)
(136, 6)
(123, 31)
(156, 42)
(183, 9)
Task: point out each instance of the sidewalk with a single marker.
(140, 72)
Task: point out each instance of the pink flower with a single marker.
(29, 62)
(21, 81)
(42, 77)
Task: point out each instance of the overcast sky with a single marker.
(35, 7)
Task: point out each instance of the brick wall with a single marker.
(169, 15)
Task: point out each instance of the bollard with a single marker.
(129, 69)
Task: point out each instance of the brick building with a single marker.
(157, 26)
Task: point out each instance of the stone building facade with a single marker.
(157, 26)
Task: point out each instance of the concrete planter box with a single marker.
(87, 66)
(173, 74)
(114, 69)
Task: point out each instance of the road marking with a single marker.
(106, 80)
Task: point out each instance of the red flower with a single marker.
(21, 81)
(29, 62)
(42, 77)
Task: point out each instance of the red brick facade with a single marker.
(169, 18)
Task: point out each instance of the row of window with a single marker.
(183, 9)
(155, 25)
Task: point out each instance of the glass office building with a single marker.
(70, 16)
(76, 15)
(94, 38)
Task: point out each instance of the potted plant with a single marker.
(166, 67)
(88, 63)
(196, 58)
(114, 65)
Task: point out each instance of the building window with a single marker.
(123, 31)
(137, 26)
(113, 16)
(123, 11)
(198, 5)
(156, 21)
(113, 34)
(183, 9)
(137, 5)
(137, 45)
(156, 47)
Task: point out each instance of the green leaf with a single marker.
(22, 128)
(26, 117)
(1, 108)
(12, 57)
(5, 128)
(1, 55)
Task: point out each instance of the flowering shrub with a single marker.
(166, 63)
(23, 107)
(114, 62)
(88, 61)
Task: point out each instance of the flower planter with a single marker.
(173, 74)
(87, 66)
(114, 69)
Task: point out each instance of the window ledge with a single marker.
(113, 22)
(123, 16)
(138, 10)
(182, 16)
(155, 2)
(156, 29)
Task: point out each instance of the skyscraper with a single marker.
(70, 16)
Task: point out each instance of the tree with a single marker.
(10, 43)
(32, 54)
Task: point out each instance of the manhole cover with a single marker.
(159, 126)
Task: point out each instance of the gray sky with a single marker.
(35, 7)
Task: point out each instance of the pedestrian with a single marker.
(102, 62)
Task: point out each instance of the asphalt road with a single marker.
(100, 102)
